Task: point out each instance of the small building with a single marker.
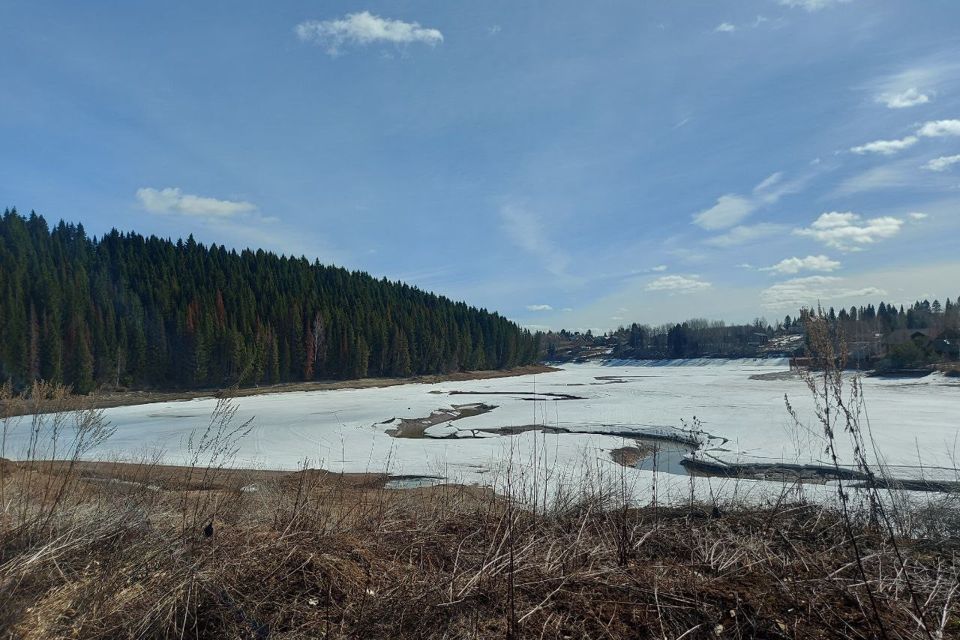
(757, 339)
(919, 337)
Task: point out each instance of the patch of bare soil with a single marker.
(631, 456)
(515, 430)
(525, 395)
(778, 471)
(776, 375)
(417, 427)
(602, 380)
(7, 465)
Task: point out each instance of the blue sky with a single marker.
(569, 164)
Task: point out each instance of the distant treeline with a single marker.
(691, 339)
(864, 327)
(132, 311)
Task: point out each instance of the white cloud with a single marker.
(769, 181)
(849, 231)
(173, 200)
(539, 307)
(916, 82)
(659, 267)
(235, 223)
(931, 129)
(728, 211)
(678, 284)
(729, 27)
(810, 263)
(811, 5)
(886, 147)
(362, 29)
(525, 229)
(901, 100)
(808, 291)
(940, 128)
(942, 163)
(733, 208)
(882, 177)
(917, 215)
(745, 234)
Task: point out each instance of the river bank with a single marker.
(112, 399)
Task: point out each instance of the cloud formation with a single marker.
(940, 128)
(811, 5)
(525, 229)
(732, 208)
(942, 163)
(886, 147)
(729, 27)
(848, 231)
(539, 307)
(931, 129)
(364, 28)
(745, 234)
(810, 263)
(901, 100)
(173, 200)
(874, 178)
(916, 83)
(808, 291)
(678, 284)
(728, 211)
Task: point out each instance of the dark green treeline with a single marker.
(129, 311)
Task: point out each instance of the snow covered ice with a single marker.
(913, 422)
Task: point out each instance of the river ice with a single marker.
(914, 423)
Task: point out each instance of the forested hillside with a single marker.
(132, 311)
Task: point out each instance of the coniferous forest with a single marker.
(130, 311)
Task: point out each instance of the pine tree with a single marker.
(83, 377)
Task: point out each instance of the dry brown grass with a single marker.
(312, 554)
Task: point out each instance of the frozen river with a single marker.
(913, 422)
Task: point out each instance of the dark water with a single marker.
(666, 459)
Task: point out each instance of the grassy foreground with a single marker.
(144, 551)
